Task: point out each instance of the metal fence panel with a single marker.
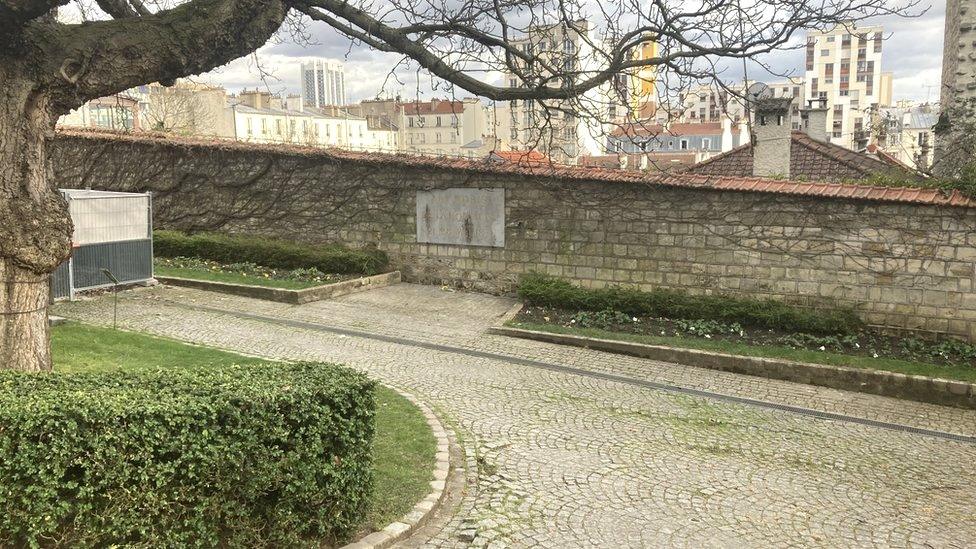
(113, 231)
(129, 261)
(61, 281)
(108, 217)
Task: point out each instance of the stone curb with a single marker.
(425, 508)
(511, 313)
(294, 297)
(890, 384)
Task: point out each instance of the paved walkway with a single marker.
(572, 459)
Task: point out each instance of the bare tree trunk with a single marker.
(35, 229)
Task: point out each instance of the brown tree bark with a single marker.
(48, 68)
(35, 229)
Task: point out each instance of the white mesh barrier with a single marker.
(101, 217)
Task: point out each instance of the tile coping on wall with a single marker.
(425, 508)
(891, 384)
(295, 297)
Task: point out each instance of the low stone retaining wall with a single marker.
(295, 297)
(891, 384)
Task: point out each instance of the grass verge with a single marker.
(961, 373)
(235, 278)
(403, 448)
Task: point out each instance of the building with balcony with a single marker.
(843, 68)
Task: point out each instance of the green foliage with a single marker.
(601, 319)
(964, 181)
(275, 254)
(546, 291)
(707, 327)
(232, 456)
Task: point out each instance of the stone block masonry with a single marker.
(906, 266)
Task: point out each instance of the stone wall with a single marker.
(907, 266)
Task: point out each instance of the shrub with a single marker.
(277, 254)
(234, 456)
(547, 291)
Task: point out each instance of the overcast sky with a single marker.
(913, 52)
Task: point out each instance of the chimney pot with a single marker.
(771, 138)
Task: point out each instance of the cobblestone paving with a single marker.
(565, 460)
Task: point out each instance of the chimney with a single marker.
(743, 131)
(815, 119)
(771, 137)
(726, 134)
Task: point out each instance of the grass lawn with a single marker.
(403, 449)
(963, 373)
(234, 278)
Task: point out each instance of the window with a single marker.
(706, 144)
(250, 125)
(437, 137)
(684, 144)
(264, 126)
(824, 53)
(438, 121)
(410, 121)
(278, 126)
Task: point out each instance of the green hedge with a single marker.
(233, 456)
(277, 254)
(542, 290)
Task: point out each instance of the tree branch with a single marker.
(91, 60)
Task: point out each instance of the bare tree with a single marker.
(48, 67)
(186, 108)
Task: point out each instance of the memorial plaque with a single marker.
(464, 217)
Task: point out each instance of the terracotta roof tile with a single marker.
(684, 179)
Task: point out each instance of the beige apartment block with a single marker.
(441, 127)
(843, 68)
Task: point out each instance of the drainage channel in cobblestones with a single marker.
(585, 373)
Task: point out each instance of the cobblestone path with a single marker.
(572, 459)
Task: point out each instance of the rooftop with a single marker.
(810, 160)
(911, 195)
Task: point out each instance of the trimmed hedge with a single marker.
(277, 254)
(547, 291)
(233, 456)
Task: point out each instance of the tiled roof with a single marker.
(573, 173)
(810, 160)
(522, 158)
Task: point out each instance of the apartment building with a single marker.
(560, 130)
(323, 83)
(441, 127)
(710, 103)
(122, 111)
(907, 132)
(843, 67)
(260, 117)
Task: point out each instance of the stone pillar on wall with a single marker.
(958, 93)
(771, 138)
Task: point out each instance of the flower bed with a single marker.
(862, 348)
(245, 273)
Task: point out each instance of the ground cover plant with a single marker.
(272, 253)
(547, 291)
(244, 273)
(269, 454)
(556, 306)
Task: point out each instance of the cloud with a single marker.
(913, 52)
